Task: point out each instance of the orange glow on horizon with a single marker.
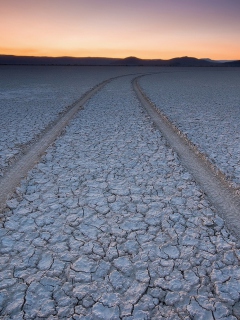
(153, 29)
(118, 54)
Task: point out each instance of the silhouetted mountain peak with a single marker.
(129, 61)
(131, 58)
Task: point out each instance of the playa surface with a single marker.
(110, 225)
(204, 104)
(32, 98)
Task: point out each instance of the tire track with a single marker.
(20, 169)
(222, 196)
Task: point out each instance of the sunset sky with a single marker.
(119, 28)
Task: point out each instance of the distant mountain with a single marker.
(189, 62)
(207, 59)
(129, 61)
(218, 61)
(133, 61)
(65, 61)
(232, 63)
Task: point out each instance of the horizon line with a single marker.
(97, 57)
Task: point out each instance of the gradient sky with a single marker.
(119, 28)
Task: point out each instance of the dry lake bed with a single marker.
(109, 223)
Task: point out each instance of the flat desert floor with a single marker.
(109, 224)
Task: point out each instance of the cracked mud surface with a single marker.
(28, 94)
(205, 105)
(110, 226)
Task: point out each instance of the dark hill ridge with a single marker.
(232, 63)
(25, 60)
(190, 62)
(129, 61)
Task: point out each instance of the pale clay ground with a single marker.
(32, 97)
(205, 105)
(109, 225)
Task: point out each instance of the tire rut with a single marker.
(225, 198)
(20, 168)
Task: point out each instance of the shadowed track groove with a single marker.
(225, 199)
(20, 169)
(26, 162)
